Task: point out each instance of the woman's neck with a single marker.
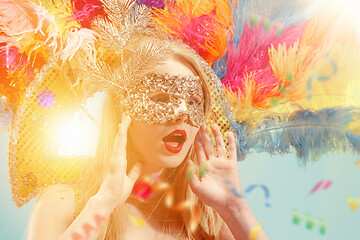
(148, 168)
(155, 213)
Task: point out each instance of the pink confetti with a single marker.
(142, 190)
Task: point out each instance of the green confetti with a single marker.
(189, 175)
(322, 229)
(202, 171)
(309, 223)
(296, 219)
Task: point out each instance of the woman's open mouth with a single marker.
(174, 141)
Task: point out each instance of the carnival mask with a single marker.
(163, 97)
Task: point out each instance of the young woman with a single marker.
(157, 129)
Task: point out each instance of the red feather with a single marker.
(85, 11)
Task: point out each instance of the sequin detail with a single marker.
(163, 97)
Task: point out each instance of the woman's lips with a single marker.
(175, 140)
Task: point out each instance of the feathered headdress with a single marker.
(48, 123)
(292, 83)
(32, 34)
(285, 80)
(203, 25)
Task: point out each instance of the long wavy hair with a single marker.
(93, 174)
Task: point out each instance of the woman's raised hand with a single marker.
(217, 170)
(117, 185)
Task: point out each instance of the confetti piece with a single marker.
(195, 216)
(266, 191)
(296, 217)
(190, 171)
(322, 229)
(46, 98)
(310, 221)
(142, 190)
(137, 221)
(169, 199)
(249, 190)
(232, 188)
(353, 204)
(155, 178)
(202, 171)
(254, 233)
(321, 185)
(161, 186)
(357, 163)
(184, 205)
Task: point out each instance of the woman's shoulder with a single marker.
(57, 195)
(57, 191)
(54, 207)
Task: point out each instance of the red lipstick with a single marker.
(175, 140)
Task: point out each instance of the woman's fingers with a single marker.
(194, 181)
(220, 146)
(135, 172)
(232, 146)
(207, 143)
(199, 150)
(118, 161)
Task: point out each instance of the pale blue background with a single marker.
(289, 186)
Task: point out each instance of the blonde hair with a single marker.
(93, 175)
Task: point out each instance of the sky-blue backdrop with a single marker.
(289, 187)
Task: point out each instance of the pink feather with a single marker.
(12, 59)
(251, 56)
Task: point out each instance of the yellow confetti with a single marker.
(137, 221)
(353, 204)
(169, 199)
(184, 205)
(357, 163)
(254, 233)
(161, 186)
(195, 216)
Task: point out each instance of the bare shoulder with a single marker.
(53, 212)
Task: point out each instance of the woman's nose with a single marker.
(182, 118)
(182, 108)
(182, 112)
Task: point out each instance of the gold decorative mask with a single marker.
(163, 97)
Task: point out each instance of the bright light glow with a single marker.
(351, 9)
(79, 135)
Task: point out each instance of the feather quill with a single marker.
(79, 42)
(310, 133)
(131, 62)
